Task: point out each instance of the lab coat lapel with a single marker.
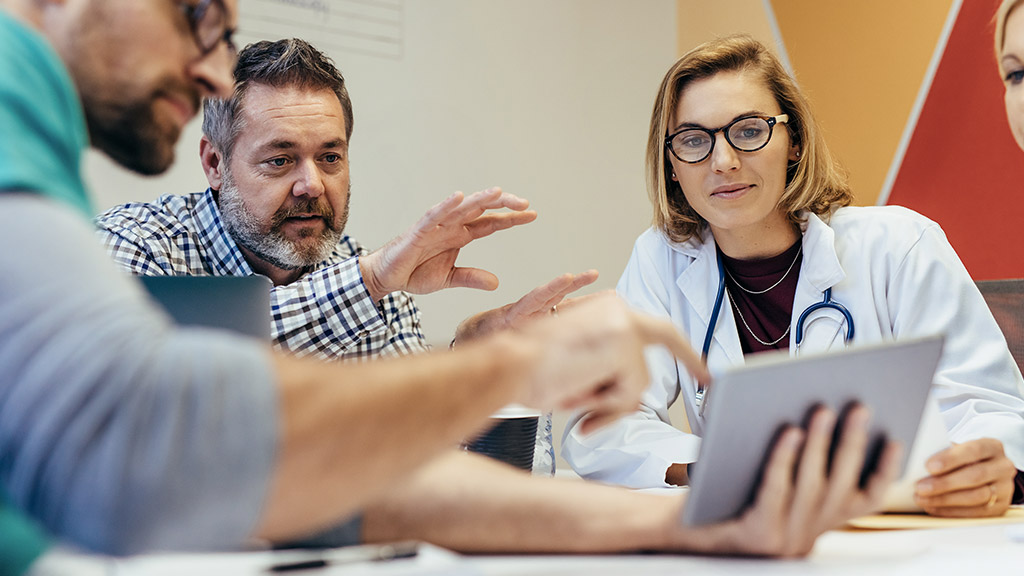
(819, 271)
(699, 285)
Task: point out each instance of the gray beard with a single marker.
(266, 241)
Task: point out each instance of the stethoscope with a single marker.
(827, 302)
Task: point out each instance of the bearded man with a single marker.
(276, 157)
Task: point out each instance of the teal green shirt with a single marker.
(21, 541)
(42, 136)
(42, 127)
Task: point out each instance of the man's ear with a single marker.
(213, 162)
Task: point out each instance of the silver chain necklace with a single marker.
(747, 326)
(756, 292)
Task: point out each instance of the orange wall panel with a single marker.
(701, 20)
(862, 64)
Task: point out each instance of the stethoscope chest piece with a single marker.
(826, 303)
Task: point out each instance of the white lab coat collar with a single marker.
(821, 268)
(820, 271)
(698, 282)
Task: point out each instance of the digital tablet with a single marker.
(749, 405)
(235, 303)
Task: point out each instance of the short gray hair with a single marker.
(291, 62)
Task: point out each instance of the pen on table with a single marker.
(348, 555)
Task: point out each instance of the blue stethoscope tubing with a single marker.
(826, 302)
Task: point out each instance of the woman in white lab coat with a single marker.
(738, 173)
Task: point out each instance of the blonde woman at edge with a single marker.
(751, 210)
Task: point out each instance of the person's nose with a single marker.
(214, 73)
(724, 158)
(310, 181)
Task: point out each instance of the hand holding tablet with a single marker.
(811, 484)
(753, 408)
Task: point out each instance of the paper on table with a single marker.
(931, 438)
(1014, 515)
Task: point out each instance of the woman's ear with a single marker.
(794, 152)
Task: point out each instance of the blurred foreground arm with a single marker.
(349, 432)
(123, 433)
(469, 504)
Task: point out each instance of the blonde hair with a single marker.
(1005, 9)
(815, 182)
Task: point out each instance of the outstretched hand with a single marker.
(422, 259)
(540, 301)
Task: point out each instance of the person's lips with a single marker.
(305, 219)
(730, 190)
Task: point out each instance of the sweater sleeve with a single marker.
(119, 431)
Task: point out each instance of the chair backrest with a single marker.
(1005, 299)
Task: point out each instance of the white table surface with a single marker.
(976, 551)
(987, 550)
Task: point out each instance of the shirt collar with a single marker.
(223, 255)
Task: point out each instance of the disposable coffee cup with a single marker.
(511, 437)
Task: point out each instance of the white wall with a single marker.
(549, 99)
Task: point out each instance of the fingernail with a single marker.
(924, 487)
(860, 418)
(793, 439)
(933, 466)
(826, 421)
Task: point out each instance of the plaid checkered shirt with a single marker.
(327, 313)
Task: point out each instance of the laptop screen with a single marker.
(237, 303)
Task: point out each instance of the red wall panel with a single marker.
(962, 167)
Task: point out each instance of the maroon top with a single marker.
(764, 316)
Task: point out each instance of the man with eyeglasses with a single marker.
(122, 433)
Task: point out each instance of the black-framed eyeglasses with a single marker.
(209, 23)
(747, 134)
